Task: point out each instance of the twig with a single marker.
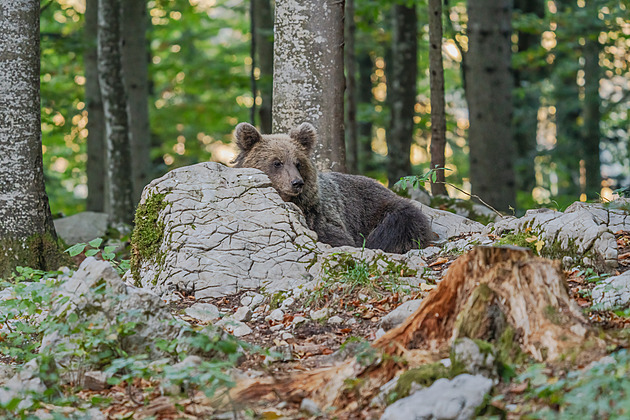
(472, 196)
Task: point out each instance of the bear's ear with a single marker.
(305, 135)
(246, 136)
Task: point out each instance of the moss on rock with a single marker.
(147, 234)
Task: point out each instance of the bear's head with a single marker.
(285, 158)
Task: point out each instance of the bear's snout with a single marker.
(297, 184)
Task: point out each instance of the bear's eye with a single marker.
(277, 164)
(298, 165)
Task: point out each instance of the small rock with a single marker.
(252, 300)
(287, 336)
(243, 314)
(429, 251)
(298, 320)
(455, 399)
(236, 328)
(276, 315)
(335, 320)
(310, 407)
(96, 380)
(398, 315)
(204, 312)
(613, 292)
(317, 315)
(82, 227)
(567, 262)
(352, 321)
(286, 304)
(277, 327)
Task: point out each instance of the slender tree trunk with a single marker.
(438, 107)
(592, 112)
(115, 108)
(364, 97)
(308, 77)
(490, 102)
(96, 150)
(401, 91)
(527, 101)
(264, 49)
(135, 60)
(352, 139)
(27, 233)
(252, 54)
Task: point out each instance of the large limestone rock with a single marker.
(584, 231)
(224, 230)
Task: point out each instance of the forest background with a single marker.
(203, 76)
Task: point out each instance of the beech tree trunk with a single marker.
(135, 61)
(438, 106)
(308, 82)
(401, 91)
(264, 54)
(364, 99)
(115, 109)
(488, 64)
(486, 293)
(592, 103)
(27, 233)
(352, 135)
(527, 99)
(96, 148)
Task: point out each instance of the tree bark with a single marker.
(527, 100)
(438, 106)
(364, 99)
(401, 91)
(135, 61)
(490, 293)
(592, 112)
(115, 109)
(27, 233)
(308, 82)
(264, 54)
(352, 135)
(489, 99)
(96, 149)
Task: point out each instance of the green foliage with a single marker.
(107, 253)
(601, 391)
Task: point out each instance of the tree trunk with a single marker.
(135, 60)
(364, 98)
(592, 112)
(252, 55)
(352, 137)
(308, 82)
(115, 109)
(264, 49)
(96, 150)
(527, 100)
(490, 102)
(496, 294)
(401, 91)
(438, 107)
(27, 233)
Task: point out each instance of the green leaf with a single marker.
(91, 252)
(76, 249)
(96, 242)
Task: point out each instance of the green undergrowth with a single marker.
(345, 275)
(34, 308)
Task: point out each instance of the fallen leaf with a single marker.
(439, 261)
(624, 256)
(531, 239)
(519, 389)
(426, 287)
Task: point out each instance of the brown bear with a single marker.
(342, 209)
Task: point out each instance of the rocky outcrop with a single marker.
(584, 231)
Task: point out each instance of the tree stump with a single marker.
(503, 295)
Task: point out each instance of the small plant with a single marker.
(92, 249)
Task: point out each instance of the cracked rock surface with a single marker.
(583, 230)
(226, 230)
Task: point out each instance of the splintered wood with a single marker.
(486, 294)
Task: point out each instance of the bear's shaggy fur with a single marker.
(343, 209)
